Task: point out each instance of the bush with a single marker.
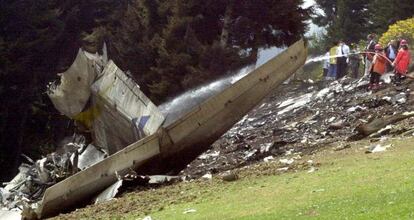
(403, 29)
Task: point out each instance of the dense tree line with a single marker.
(167, 45)
(352, 20)
(180, 44)
(37, 40)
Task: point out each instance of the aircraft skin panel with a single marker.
(96, 178)
(249, 91)
(174, 146)
(72, 94)
(191, 135)
(125, 113)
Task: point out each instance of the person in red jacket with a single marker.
(401, 62)
(378, 68)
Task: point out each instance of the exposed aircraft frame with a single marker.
(172, 147)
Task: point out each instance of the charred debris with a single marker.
(131, 141)
(79, 95)
(303, 117)
(295, 119)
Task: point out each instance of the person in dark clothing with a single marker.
(391, 52)
(354, 61)
(369, 56)
(343, 52)
(325, 64)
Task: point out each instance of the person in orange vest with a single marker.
(401, 62)
(378, 67)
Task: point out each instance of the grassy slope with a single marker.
(348, 185)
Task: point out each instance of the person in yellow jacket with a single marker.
(332, 62)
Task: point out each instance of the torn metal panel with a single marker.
(109, 193)
(170, 148)
(90, 156)
(26, 190)
(19, 179)
(215, 116)
(160, 179)
(133, 178)
(73, 92)
(125, 113)
(10, 215)
(96, 178)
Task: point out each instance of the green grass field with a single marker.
(348, 185)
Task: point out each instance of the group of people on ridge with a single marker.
(377, 59)
(335, 66)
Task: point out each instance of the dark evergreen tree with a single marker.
(329, 12)
(38, 39)
(168, 45)
(267, 23)
(383, 13)
(352, 20)
(344, 19)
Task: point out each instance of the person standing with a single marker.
(342, 53)
(391, 51)
(379, 66)
(346, 50)
(401, 62)
(354, 61)
(325, 64)
(370, 49)
(332, 62)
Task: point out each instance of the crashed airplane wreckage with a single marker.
(128, 127)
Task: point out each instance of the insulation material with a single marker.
(125, 113)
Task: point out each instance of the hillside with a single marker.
(298, 154)
(346, 184)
